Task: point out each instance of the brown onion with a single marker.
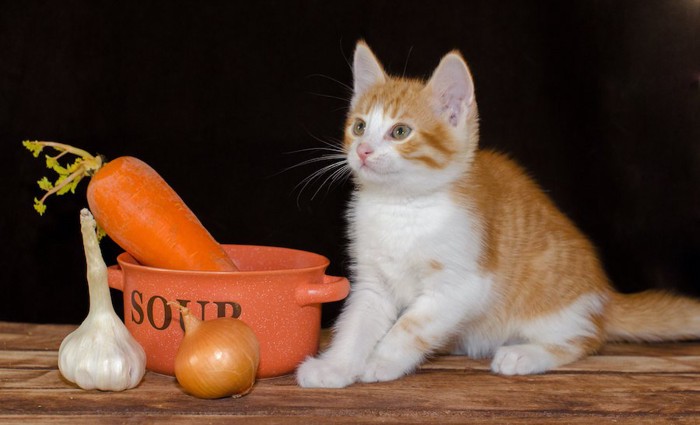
(217, 358)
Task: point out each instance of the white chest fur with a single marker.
(401, 241)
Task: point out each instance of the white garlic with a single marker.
(101, 354)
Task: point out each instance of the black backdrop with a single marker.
(600, 100)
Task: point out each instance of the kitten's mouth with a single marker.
(366, 167)
(372, 172)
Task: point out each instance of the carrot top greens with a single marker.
(69, 175)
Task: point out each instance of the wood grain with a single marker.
(625, 384)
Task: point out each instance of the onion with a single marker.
(217, 358)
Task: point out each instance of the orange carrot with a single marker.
(137, 209)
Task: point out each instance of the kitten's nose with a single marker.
(363, 151)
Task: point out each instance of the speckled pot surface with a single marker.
(277, 292)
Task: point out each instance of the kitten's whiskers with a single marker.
(328, 175)
(338, 170)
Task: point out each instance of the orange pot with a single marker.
(277, 292)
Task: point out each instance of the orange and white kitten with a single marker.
(456, 249)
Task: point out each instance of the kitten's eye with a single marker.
(358, 128)
(400, 131)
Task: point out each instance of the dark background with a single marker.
(600, 100)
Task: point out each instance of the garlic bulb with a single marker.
(101, 354)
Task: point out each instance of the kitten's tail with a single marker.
(652, 316)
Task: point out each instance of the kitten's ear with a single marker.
(366, 69)
(452, 88)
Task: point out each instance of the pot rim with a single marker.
(126, 260)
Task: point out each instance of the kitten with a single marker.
(456, 249)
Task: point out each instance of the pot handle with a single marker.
(115, 277)
(333, 288)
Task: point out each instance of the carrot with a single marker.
(136, 208)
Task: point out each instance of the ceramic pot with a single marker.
(278, 292)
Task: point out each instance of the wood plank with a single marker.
(683, 348)
(32, 379)
(27, 336)
(627, 383)
(598, 363)
(29, 366)
(620, 363)
(14, 359)
(677, 394)
(475, 418)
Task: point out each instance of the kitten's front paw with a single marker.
(526, 359)
(381, 370)
(322, 373)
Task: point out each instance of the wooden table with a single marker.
(625, 384)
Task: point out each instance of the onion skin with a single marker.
(217, 358)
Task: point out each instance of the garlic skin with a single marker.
(101, 354)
